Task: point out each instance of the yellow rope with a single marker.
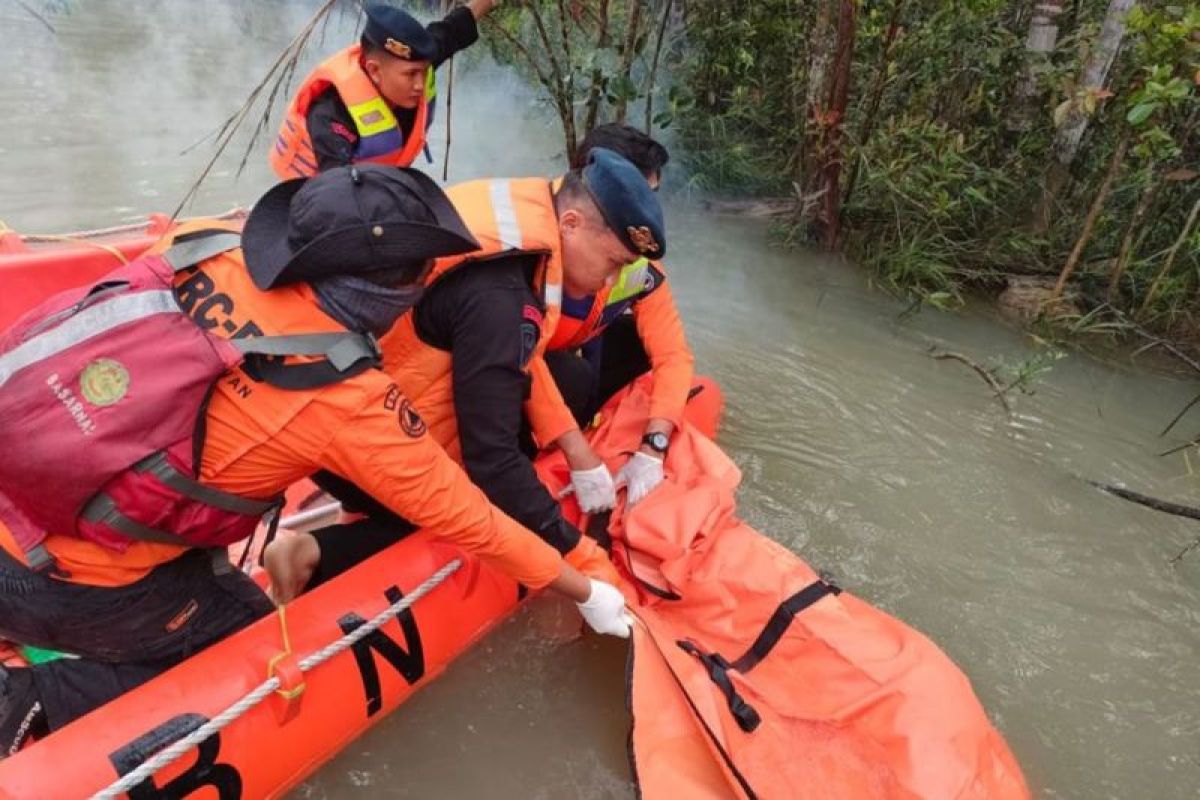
(287, 641)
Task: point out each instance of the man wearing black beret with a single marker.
(473, 346)
(373, 101)
(605, 340)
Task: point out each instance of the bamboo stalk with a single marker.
(1148, 196)
(1089, 222)
(1166, 267)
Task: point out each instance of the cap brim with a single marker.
(269, 255)
(265, 235)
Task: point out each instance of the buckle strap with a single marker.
(778, 624)
(343, 350)
(40, 559)
(718, 671)
(158, 466)
(102, 510)
(190, 252)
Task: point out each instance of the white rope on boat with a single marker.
(264, 690)
(233, 213)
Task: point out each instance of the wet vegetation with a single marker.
(1048, 144)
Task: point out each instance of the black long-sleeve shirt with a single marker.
(485, 316)
(330, 126)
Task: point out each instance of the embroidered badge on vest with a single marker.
(104, 382)
(642, 239)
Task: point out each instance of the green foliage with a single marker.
(595, 59)
(942, 182)
(1023, 375)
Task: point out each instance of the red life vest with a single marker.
(102, 395)
(380, 139)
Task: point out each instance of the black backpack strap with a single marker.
(103, 510)
(157, 465)
(345, 354)
(343, 350)
(187, 253)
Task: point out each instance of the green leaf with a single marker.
(1140, 113)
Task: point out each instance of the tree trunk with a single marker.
(876, 96)
(1042, 39)
(831, 214)
(1089, 223)
(594, 94)
(823, 42)
(1092, 79)
(630, 50)
(662, 32)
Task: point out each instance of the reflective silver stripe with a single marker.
(507, 228)
(158, 466)
(87, 323)
(552, 294)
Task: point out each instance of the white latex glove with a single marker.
(594, 488)
(640, 475)
(605, 610)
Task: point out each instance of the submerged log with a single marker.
(751, 207)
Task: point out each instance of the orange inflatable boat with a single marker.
(310, 715)
(750, 676)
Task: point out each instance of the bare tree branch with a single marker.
(662, 31)
(987, 376)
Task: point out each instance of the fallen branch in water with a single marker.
(764, 207)
(998, 390)
(1148, 501)
(1179, 556)
(1177, 448)
(36, 16)
(1179, 416)
(1158, 505)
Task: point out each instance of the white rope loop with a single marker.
(264, 690)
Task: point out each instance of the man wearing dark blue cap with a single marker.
(373, 101)
(606, 340)
(467, 354)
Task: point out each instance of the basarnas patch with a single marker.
(410, 420)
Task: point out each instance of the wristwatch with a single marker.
(657, 441)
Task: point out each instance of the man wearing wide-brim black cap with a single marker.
(343, 251)
(373, 101)
(467, 354)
